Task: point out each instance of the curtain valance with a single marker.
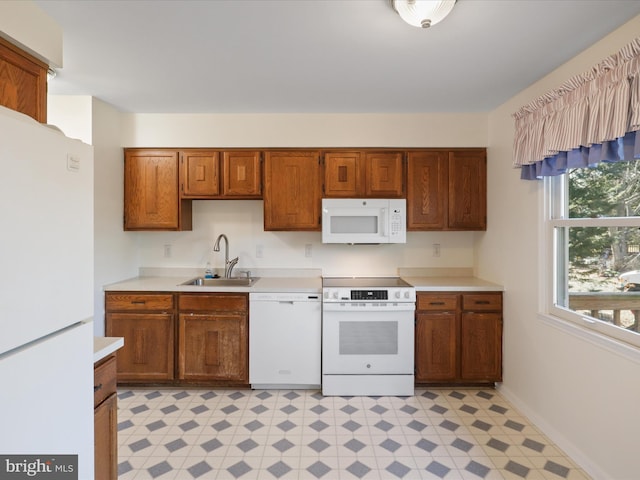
(592, 117)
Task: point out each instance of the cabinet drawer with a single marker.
(439, 302)
(213, 302)
(104, 380)
(482, 302)
(138, 301)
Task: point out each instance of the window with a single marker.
(593, 232)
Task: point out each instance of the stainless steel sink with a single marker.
(221, 282)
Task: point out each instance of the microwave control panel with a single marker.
(396, 223)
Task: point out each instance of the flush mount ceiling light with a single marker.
(423, 13)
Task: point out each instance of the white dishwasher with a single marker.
(285, 339)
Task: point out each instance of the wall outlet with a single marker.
(308, 250)
(436, 249)
(167, 251)
(259, 251)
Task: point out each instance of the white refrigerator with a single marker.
(46, 293)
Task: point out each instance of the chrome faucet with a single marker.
(228, 264)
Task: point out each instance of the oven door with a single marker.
(366, 339)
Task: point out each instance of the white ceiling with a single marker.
(317, 56)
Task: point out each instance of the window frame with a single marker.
(554, 215)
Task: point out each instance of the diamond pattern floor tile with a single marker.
(299, 434)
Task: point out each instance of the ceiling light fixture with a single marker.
(423, 13)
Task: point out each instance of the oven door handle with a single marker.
(345, 307)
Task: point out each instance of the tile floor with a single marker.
(299, 434)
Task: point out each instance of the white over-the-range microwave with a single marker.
(364, 220)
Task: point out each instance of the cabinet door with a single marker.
(213, 347)
(343, 175)
(481, 346)
(292, 195)
(200, 173)
(23, 82)
(148, 352)
(106, 439)
(427, 190)
(151, 192)
(242, 175)
(384, 173)
(467, 190)
(436, 346)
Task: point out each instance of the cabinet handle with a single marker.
(436, 303)
(482, 302)
(97, 387)
(138, 302)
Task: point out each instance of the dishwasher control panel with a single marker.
(284, 297)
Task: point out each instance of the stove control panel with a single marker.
(398, 294)
(369, 295)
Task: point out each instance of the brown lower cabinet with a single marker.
(105, 419)
(180, 338)
(458, 337)
(213, 342)
(146, 322)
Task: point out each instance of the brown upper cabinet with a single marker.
(151, 197)
(213, 174)
(292, 190)
(384, 173)
(23, 82)
(467, 190)
(242, 174)
(343, 174)
(355, 173)
(447, 189)
(200, 171)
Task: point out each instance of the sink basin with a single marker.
(221, 282)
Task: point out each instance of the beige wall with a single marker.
(583, 391)
(306, 130)
(23, 23)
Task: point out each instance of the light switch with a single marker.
(73, 163)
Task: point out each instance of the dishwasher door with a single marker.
(285, 338)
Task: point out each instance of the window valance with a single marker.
(592, 117)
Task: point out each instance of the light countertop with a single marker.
(452, 284)
(173, 284)
(105, 346)
(312, 284)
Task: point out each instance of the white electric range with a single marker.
(367, 336)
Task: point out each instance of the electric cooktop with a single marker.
(359, 282)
